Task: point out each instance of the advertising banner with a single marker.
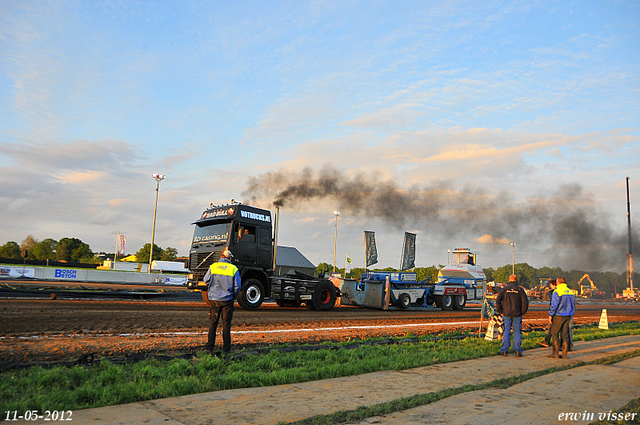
(409, 251)
(169, 280)
(370, 251)
(17, 271)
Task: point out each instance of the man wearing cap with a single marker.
(512, 302)
(563, 304)
(223, 285)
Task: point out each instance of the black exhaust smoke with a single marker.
(566, 225)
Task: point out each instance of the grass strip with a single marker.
(105, 384)
(632, 407)
(405, 403)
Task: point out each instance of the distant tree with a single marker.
(73, 250)
(424, 272)
(44, 250)
(488, 272)
(387, 269)
(501, 274)
(323, 268)
(142, 255)
(169, 254)
(10, 249)
(527, 275)
(356, 273)
(28, 243)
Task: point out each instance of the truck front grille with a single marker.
(199, 270)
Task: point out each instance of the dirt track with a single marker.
(49, 330)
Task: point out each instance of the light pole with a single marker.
(513, 261)
(158, 178)
(335, 240)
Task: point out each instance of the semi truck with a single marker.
(248, 233)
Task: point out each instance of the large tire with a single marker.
(459, 301)
(404, 300)
(444, 302)
(251, 295)
(324, 296)
(288, 303)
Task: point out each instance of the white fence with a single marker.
(89, 275)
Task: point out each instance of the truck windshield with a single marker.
(462, 258)
(212, 233)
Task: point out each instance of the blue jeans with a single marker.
(516, 323)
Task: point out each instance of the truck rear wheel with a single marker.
(251, 295)
(459, 301)
(444, 302)
(404, 300)
(324, 296)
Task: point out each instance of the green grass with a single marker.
(104, 384)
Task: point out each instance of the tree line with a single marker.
(528, 276)
(73, 250)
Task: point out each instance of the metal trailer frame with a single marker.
(401, 290)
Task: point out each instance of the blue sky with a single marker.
(487, 123)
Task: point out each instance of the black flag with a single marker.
(370, 251)
(409, 251)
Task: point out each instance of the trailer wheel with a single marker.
(251, 295)
(444, 302)
(459, 301)
(404, 300)
(288, 303)
(324, 296)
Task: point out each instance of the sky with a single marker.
(470, 124)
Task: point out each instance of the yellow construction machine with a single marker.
(590, 290)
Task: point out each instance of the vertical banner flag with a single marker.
(409, 251)
(348, 265)
(122, 242)
(370, 251)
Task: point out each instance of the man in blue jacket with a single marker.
(223, 285)
(561, 310)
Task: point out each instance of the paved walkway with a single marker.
(588, 389)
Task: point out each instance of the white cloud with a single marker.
(488, 239)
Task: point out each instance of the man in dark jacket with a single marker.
(512, 302)
(223, 285)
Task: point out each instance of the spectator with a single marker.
(512, 303)
(547, 338)
(561, 311)
(223, 285)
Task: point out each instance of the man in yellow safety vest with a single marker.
(223, 285)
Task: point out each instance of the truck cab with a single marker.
(464, 269)
(247, 231)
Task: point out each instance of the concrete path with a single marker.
(592, 389)
(581, 395)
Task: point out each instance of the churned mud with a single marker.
(54, 330)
